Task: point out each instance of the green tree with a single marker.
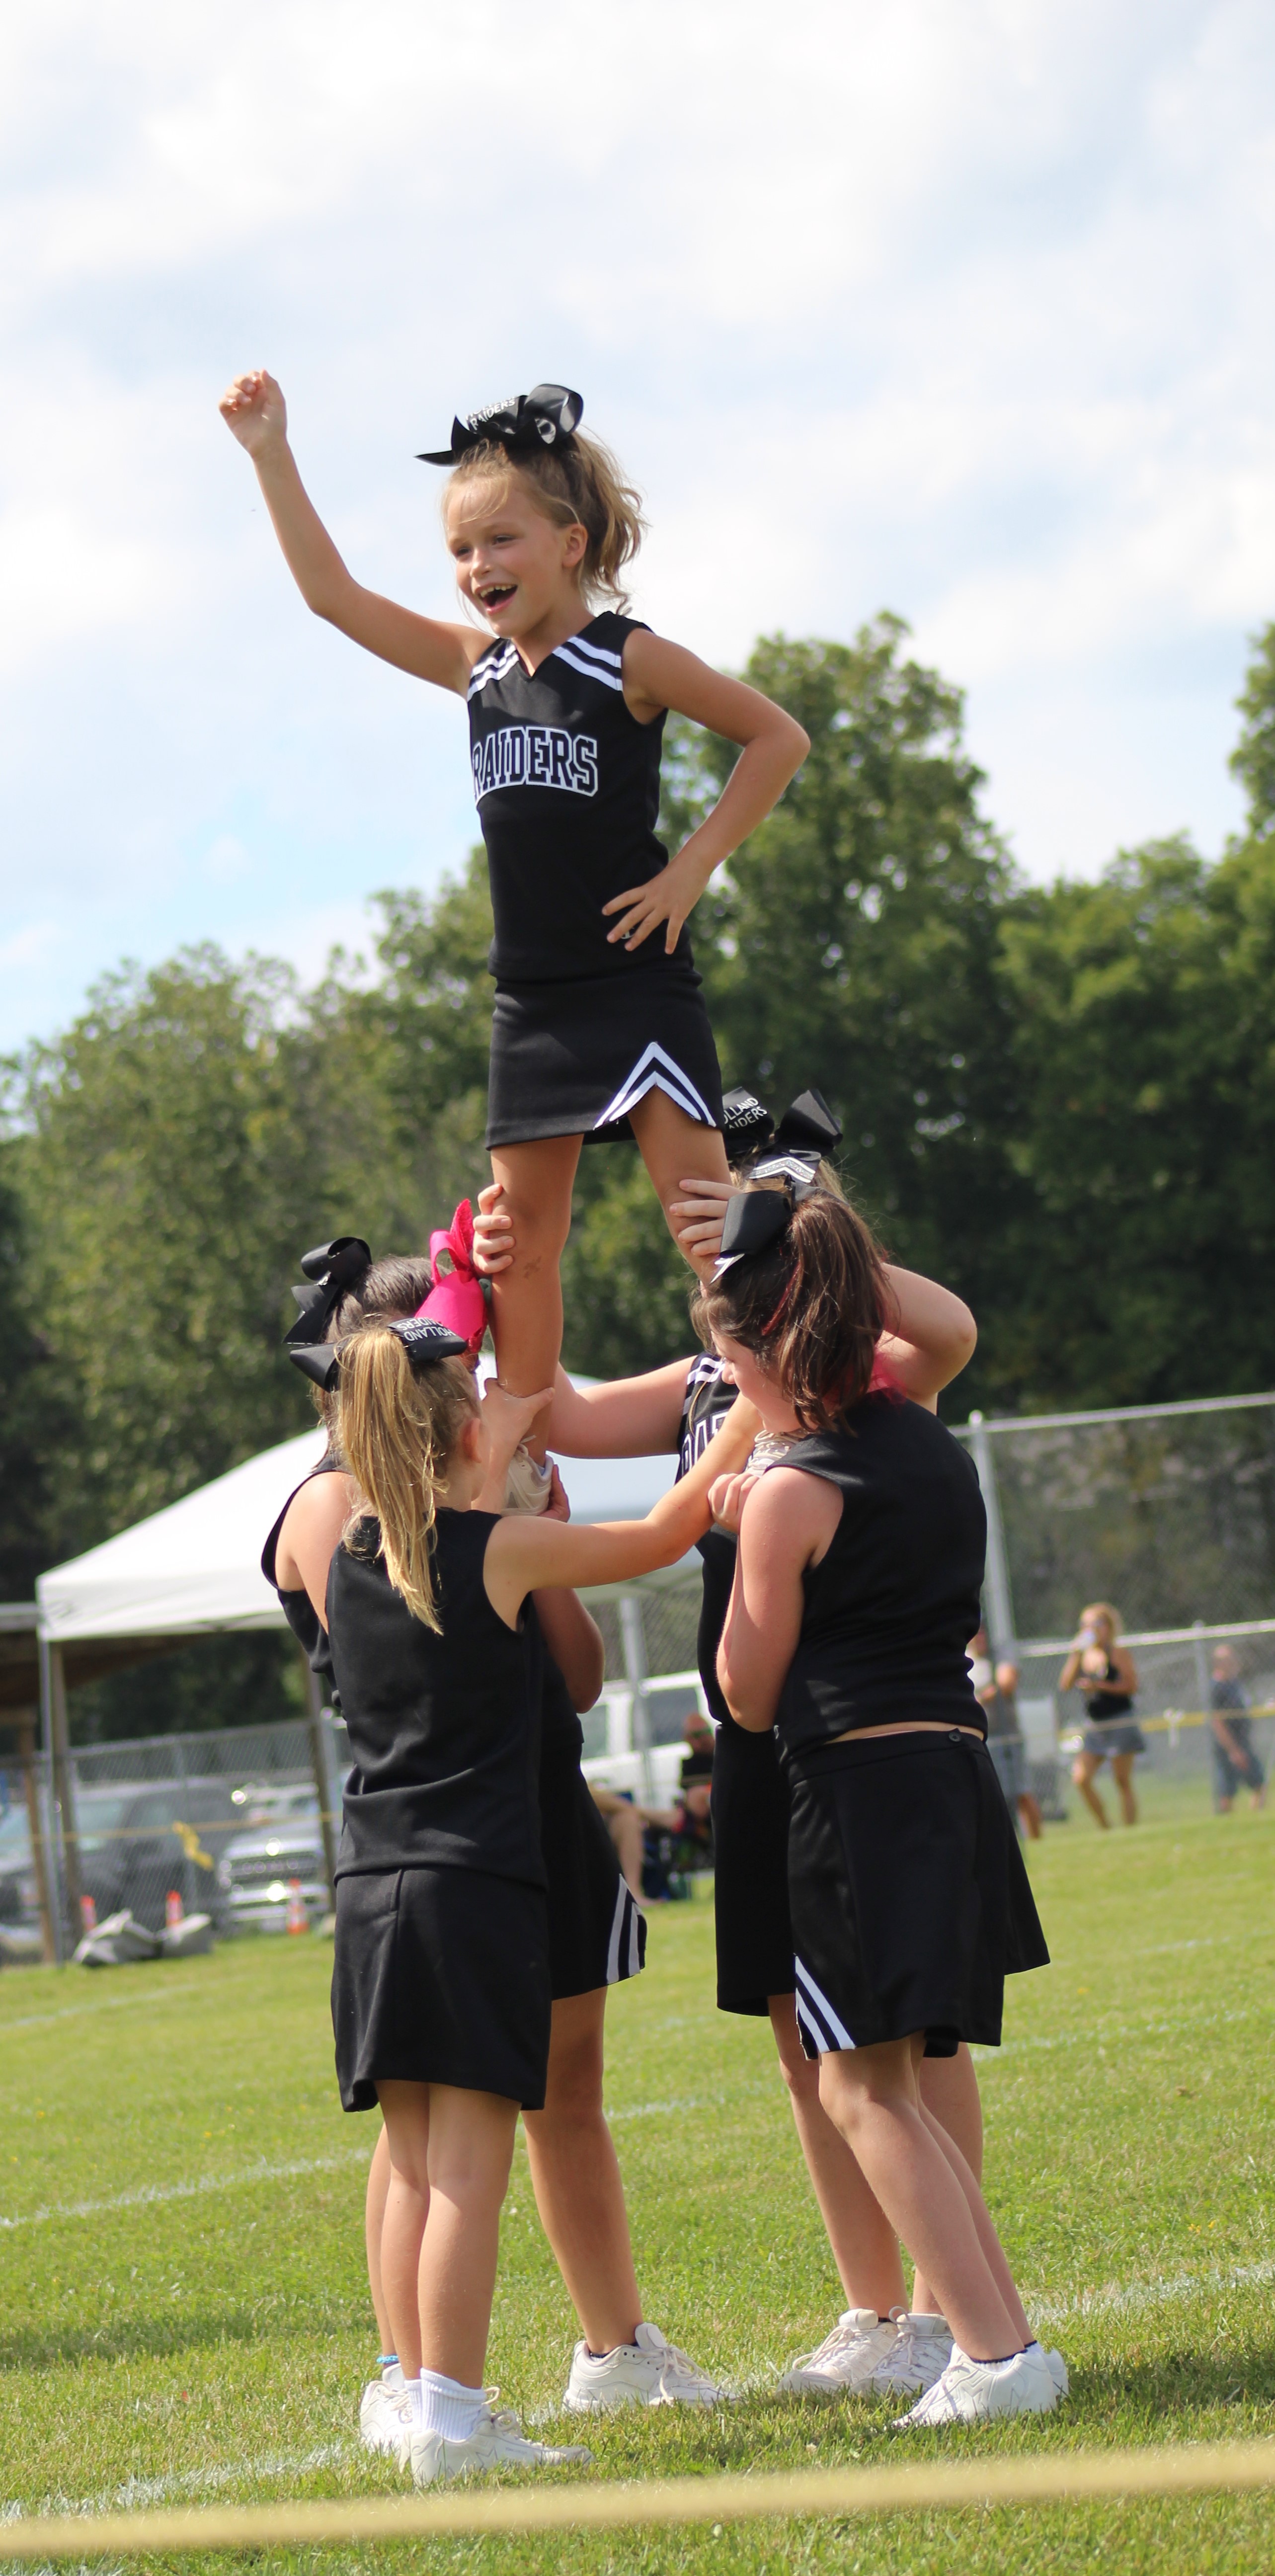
(1144, 1057)
(1253, 759)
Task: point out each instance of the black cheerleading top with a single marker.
(1108, 1703)
(444, 1729)
(705, 1405)
(891, 1609)
(297, 1607)
(567, 785)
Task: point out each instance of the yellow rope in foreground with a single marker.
(1055, 2477)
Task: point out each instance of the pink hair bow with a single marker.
(456, 1297)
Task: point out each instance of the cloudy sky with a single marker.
(960, 307)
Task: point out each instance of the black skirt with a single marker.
(597, 1935)
(750, 1871)
(910, 1902)
(573, 1059)
(441, 1976)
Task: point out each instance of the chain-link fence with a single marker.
(226, 1824)
(1167, 1512)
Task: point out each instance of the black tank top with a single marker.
(444, 1730)
(705, 1405)
(1109, 1703)
(891, 1609)
(567, 785)
(297, 1607)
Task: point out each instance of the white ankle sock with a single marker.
(447, 2406)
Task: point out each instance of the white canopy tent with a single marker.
(195, 1568)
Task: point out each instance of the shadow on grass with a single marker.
(136, 2338)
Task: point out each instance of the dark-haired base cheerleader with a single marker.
(857, 1585)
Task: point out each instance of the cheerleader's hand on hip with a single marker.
(254, 410)
(701, 1215)
(726, 1499)
(494, 1245)
(667, 898)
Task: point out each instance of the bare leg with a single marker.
(624, 1825)
(406, 2209)
(576, 2178)
(949, 2093)
(1122, 1769)
(993, 2249)
(378, 2187)
(864, 2245)
(675, 1149)
(1030, 1816)
(871, 2094)
(535, 1182)
(1084, 1772)
(469, 2148)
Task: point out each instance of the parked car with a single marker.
(138, 1839)
(255, 1873)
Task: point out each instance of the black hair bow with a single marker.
(425, 1340)
(545, 417)
(809, 1126)
(754, 1220)
(331, 1270)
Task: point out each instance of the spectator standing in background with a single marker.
(996, 1690)
(1234, 1757)
(1105, 1671)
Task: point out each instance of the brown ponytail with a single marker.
(580, 483)
(398, 1429)
(810, 1308)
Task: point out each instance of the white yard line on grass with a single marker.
(148, 2193)
(137, 2492)
(1100, 2035)
(1152, 2294)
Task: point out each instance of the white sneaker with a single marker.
(859, 2343)
(647, 2372)
(528, 1484)
(972, 2392)
(920, 2354)
(497, 2442)
(1056, 2367)
(385, 2420)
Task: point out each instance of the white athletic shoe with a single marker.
(385, 2421)
(847, 2359)
(497, 2442)
(972, 2392)
(919, 2355)
(1056, 2367)
(528, 1485)
(647, 2372)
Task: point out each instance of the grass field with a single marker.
(184, 2311)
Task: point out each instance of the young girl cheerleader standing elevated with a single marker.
(441, 1982)
(860, 1566)
(599, 1028)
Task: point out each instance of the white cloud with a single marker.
(959, 306)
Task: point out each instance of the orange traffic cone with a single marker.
(174, 1911)
(298, 1919)
(88, 1913)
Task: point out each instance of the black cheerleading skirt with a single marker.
(750, 1871)
(441, 1976)
(910, 1901)
(572, 1059)
(597, 1934)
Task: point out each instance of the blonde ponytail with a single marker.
(398, 1431)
